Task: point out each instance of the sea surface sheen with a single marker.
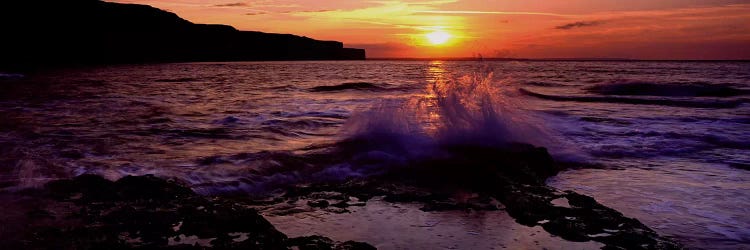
(669, 142)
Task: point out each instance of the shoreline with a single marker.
(150, 212)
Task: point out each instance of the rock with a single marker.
(584, 220)
(150, 213)
(343, 204)
(149, 209)
(354, 245)
(318, 203)
(514, 175)
(311, 243)
(84, 188)
(323, 243)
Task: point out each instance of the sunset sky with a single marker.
(638, 29)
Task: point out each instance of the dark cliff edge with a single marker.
(51, 33)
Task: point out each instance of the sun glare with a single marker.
(438, 37)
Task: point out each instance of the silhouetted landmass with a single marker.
(56, 32)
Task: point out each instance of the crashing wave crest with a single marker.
(641, 88)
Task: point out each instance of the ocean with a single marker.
(665, 142)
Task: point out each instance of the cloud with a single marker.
(231, 5)
(314, 11)
(476, 12)
(397, 15)
(255, 13)
(578, 25)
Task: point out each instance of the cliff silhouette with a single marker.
(40, 33)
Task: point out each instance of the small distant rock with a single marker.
(319, 203)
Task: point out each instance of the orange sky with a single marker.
(639, 29)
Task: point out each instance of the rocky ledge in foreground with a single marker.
(144, 212)
(89, 212)
(510, 177)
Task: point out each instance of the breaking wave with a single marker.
(348, 86)
(638, 88)
(453, 115)
(472, 109)
(689, 103)
(177, 80)
(460, 119)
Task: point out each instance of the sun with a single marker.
(438, 37)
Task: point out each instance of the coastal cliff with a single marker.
(40, 33)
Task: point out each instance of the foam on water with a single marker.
(470, 109)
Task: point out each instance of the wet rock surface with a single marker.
(145, 212)
(89, 212)
(323, 243)
(510, 178)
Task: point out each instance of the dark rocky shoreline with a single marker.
(89, 212)
(143, 212)
(512, 175)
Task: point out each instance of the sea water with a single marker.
(667, 143)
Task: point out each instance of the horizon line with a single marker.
(541, 59)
